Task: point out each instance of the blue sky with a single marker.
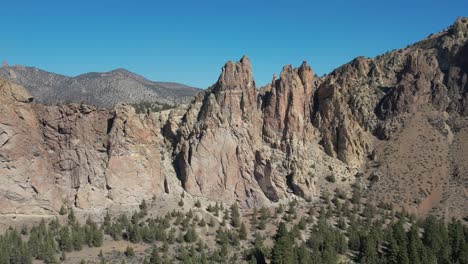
(189, 41)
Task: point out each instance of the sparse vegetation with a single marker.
(145, 107)
(344, 229)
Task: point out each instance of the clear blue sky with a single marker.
(189, 41)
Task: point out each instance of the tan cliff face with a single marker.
(243, 145)
(26, 183)
(216, 157)
(396, 125)
(77, 155)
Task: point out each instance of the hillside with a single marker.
(105, 89)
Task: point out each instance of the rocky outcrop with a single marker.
(78, 155)
(26, 184)
(216, 148)
(287, 107)
(394, 124)
(252, 145)
(350, 116)
(395, 98)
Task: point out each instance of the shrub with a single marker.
(202, 223)
(63, 210)
(129, 252)
(331, 178)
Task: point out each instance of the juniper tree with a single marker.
(253, 221)
(202, 223)
(71, 217)
(191, 235)
(282, 252)
(235, 215)
(63, 210)
(143, 208)
(243, 231)
(129, 252)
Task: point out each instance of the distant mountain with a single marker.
(104, 89)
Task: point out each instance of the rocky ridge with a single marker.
(396, 125)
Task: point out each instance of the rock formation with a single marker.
(397, 125)
(77, 155)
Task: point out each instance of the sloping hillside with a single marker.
(104, 89)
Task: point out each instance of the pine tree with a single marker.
(356, 198)
(253, 221)
(135, 218)
(107, 223)
(463, 257)
(154, 257)
(143, 208)
(71, 217)
(292, 209)
(200, 245)
(191, 235)
(243, 232)
(202, 223)
(212, 222)
(302, 224)
(282, 252)
(171, 236)
(77, 237)
(261, 225)
(180, 238)
(264, 213)
(402, 241)
(65, 240)
(235, 215)
(414, 246)
(129, 252)
(368, 251)
(303, 256)
(63, 210)
(134, 233)
(49, 251)
(24, 230)
(147, 235)
(394, 251)
(341, 223)
(279, 209)
(189, 214)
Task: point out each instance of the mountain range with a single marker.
(395, 125)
